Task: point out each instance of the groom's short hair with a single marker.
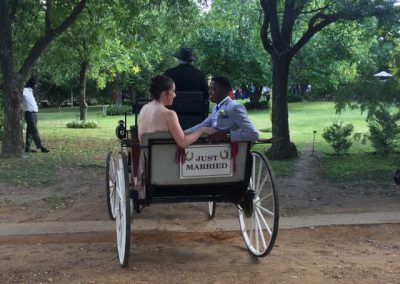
(223, 82)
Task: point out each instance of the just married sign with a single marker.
(205, 161)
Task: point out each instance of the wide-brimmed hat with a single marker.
(185, 54)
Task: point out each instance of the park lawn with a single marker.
(83, 148)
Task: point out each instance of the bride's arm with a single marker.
(177, 133)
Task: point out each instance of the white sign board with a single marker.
(205, 161)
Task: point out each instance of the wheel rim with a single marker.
(122, 220)
(260, 228)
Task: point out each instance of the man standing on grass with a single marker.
(31, 109)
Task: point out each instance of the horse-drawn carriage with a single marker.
(156, 170)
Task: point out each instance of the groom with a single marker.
(227, 116)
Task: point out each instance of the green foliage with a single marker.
(82, 124)
(342, 49)
(368, 94)
(337, 135)
(384, 130)
(118, 110)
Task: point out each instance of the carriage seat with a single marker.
(163, 169)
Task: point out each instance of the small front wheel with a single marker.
(211, 209)
(122, 210)
(259, 212)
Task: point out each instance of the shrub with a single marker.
(338, 136)
(259, 105)
(118, 110)
(384, 130)
(294, 98)
(1, 121)
(82, 124)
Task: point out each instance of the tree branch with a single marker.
(313, 28)
(43, 42)
(270, 8)
(6, 45)
(47, 18)
(266, 42)
(289, 18)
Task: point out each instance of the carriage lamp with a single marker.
(313, 142)
(120, 131)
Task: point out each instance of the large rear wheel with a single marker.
(259, 212)
(110, 185)
(122, 210)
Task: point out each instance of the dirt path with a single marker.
(319, 255)
(336, 254)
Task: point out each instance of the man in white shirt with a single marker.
(31, 109)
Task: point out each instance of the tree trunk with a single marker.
(13, 141)
(281, 148)
(82, 90)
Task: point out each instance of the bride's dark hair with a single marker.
(158, 84)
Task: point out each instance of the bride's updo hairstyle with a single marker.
(159, 84)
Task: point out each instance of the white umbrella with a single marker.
(383, 75)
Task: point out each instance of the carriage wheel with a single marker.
(122, 210)
(259, 212)
(110, 185)
(211, 209)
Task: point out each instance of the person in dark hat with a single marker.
(188, 78)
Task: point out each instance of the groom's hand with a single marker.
(219, 136)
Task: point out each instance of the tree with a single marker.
(91, 44)
(280, 21)
(229, 44)
(53, 18)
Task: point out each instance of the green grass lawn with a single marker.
(82, 148)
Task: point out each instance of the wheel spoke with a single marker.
(266, 210)
(253, 174)
(260, 230)
(264, 221)
(255, 230)
(259, 173)
(266, 196)
(261, 185)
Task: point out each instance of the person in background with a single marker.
(228, 117)
(31, 109)
(232, 94)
